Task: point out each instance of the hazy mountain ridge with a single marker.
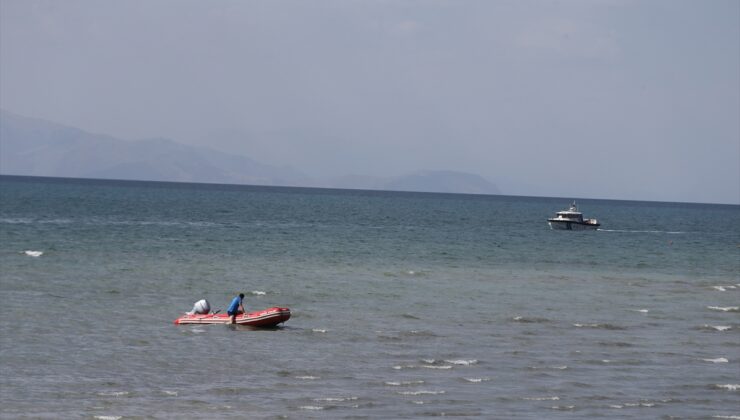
(36, 147)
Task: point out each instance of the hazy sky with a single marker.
(607, 99)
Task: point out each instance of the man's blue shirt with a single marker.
(234, 305)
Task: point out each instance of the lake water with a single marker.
(404, 305)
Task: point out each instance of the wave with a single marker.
(476, 380)
(310, 407)
(723, 288)
(725, 308)
(319, 330)
(556, 367)
(107, 417)
(436, 366)
(336, 399)
(27, 221)
(670, 232)
(403, 383)
(34, 253)
(258, 293)
(728, 387)
(601, 326)
(716, 327)
(717, 360)
(553, 398)
(113, 394)
(307, 377)
(462, 362)
(530, 320)
(421, 392)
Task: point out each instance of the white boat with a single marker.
(572, 219)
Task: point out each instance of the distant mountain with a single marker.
(40, 148)
(37, 147)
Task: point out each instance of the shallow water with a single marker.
(404, 304)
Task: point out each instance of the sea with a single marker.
(404, 305)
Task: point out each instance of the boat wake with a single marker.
(669, 232)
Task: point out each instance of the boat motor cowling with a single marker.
(201, 307)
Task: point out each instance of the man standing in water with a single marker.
(236, 307)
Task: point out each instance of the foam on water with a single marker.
(421, 392)
(462, 362)
(404, 383)
(599, 326)
(717, 360)
(553, 398)
(258, 293)
(336, 399)
(35, 254)
(113, 394)
(725, 308)
(728, 387)
(476, 380)
(311, 407)
(107, 417)
(717, 327)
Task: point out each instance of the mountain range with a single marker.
(35, 147)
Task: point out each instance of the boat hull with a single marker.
(269, 317)
(572, 225)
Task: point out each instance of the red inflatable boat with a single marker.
(269, 317)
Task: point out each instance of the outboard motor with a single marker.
(201, 307)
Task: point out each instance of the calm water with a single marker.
(404, 305)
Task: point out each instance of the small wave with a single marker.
(462, 362)
(717, 327)
(725, 308)
(403, 383)
(563, 407)
(553, 398)
(113, 394)
(723, 288)
(307, 377)
(717, 360)
(643, 231)
(421, 392)
(725, 417)
(600, 326)
(170, 393)
(556, 367)
(35, 254)
(319, 330)
(258, 293)
(476, 380)
(640, 404)
(310, 407)
(729, 387)
(530, 320)
(436, 366)
(336, 399)
(107, 417)
(642, 311)
(401, 367)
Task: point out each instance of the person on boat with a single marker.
(236, 307)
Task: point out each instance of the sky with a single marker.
(580, 98)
